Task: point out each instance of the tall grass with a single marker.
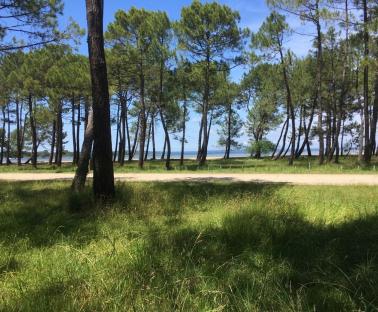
(189, 247)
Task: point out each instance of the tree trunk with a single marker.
(319, 86)
(206, 100)
(183, 134)
(8, 135)
(164, 148)
(103, 175)
(2, 136)
(78, 182)
(280, 137)
(52, 142)
(78, 131)
(133, 150)
(167, 140)
(153, 137)
(18, 136)
(33, 132)
(118, 120)
(74, 160)
(148, 140)
(307, 130)
(367, 149)
(143, 121)
(373, 127)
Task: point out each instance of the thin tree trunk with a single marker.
(153, 137)
(280, 137)
(117, 134)
(2, 136)
(78, 182)
(367, 149)
(148, 140)
(8, 135)
(78, 131)
(206, 99)
(133, 150)
(52, 142)
(74, 160)
(183, 134)
(33, 132)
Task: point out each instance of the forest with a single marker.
(160, 70)
(97, 213)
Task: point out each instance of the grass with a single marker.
(238, 165)
(189, 247)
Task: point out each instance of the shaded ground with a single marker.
(189, 247)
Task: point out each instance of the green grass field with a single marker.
(247, 165)
(189, 247)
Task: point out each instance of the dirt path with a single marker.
(301, 179)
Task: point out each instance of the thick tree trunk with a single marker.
(78, 182)
(103, 175)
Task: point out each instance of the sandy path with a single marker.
(301, 179)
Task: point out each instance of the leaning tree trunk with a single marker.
(103, 175)
(78, 182)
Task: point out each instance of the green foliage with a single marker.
(262, 147)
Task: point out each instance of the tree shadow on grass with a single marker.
(276, 260)
(43, 216)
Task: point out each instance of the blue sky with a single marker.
(253, 13)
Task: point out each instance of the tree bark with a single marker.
(103, 175)
(78, 182)
(52, 142)
(33, 132)
(367, 149)
(74, 160)
(183, 134)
